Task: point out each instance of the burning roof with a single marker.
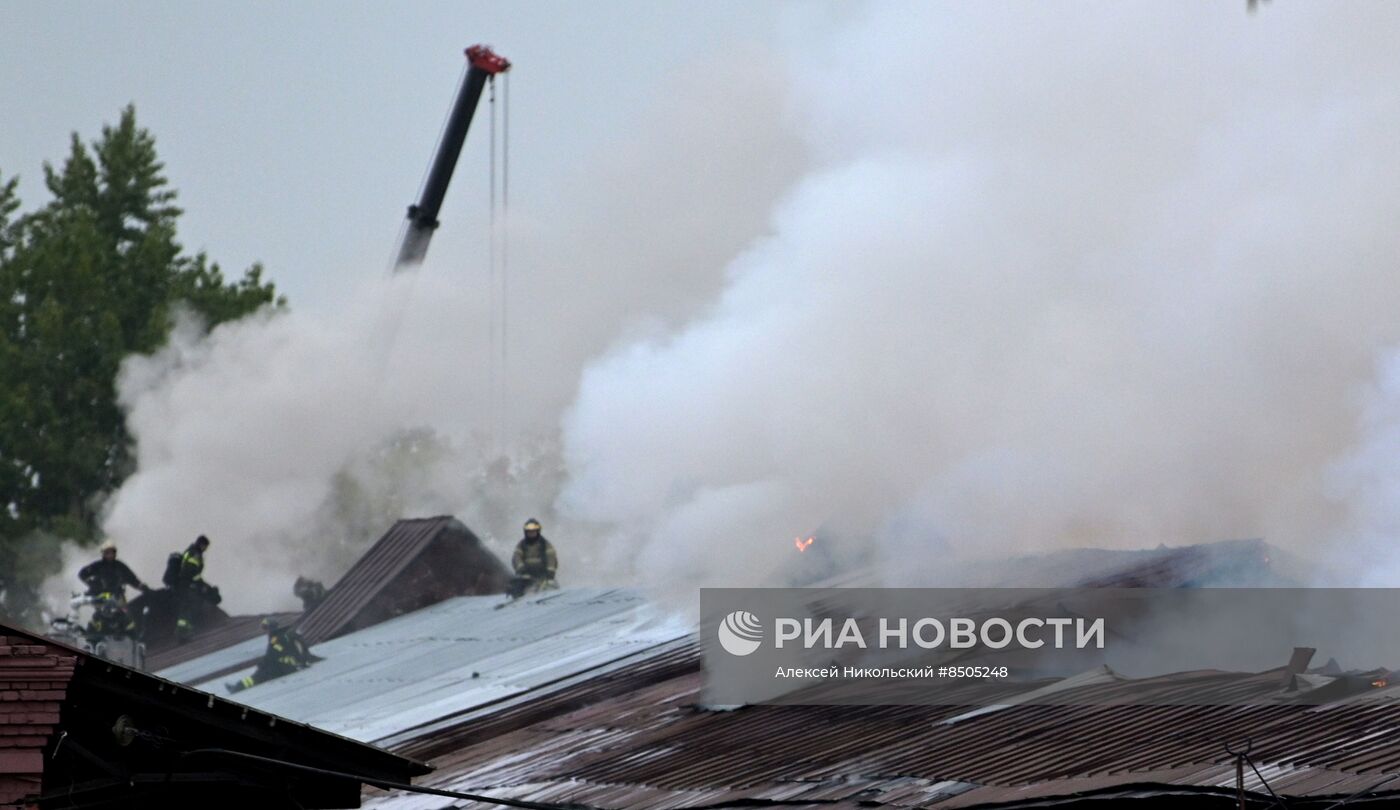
(591, 697)
(416, 563)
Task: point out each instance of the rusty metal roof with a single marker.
(378, 586)
(641, 742)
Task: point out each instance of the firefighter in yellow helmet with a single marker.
(110, 577)
(534, 562)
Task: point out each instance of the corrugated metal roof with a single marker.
(363, 596)
(657, 664)
(592, 697)
(388, 558)
(653, 746)
(456, 656)
(209, 665)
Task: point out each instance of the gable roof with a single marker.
(418, 562)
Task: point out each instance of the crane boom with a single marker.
(422, 215)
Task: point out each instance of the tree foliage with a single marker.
(86, 280)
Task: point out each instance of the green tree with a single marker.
(85, 281)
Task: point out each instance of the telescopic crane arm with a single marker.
(422, 215)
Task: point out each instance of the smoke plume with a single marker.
(293, 439)
(1108, 278)
(932, 281)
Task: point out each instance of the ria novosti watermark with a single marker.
(741, 633)
(977, 646)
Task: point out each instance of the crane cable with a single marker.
(492, 414)
(498, 259)
(505, 255)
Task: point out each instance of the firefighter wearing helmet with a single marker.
(108, 578)
(534, 561)
(184, 574)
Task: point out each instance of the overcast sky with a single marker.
(297, 133)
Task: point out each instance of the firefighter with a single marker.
(286, 653)
(185, 576)
(534, 562)
(109, 577)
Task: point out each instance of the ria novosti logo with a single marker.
(740, 633)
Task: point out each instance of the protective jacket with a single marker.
(191, 566)
(286, 653)
(108, 577)
(535, 559)
(184, 573)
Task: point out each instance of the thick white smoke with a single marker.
(1367, 480)
(294, 439)
(1031, 277)
(1109, 277)
(289, 439)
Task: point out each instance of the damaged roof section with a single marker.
(643, 736)
(594, 698)
(417, 563)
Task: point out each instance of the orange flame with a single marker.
(1381, 683)
(802, 544)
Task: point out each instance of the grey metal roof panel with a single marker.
(577, 693)
(458, 655)
(199, 669)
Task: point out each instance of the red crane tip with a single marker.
(481, 56)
